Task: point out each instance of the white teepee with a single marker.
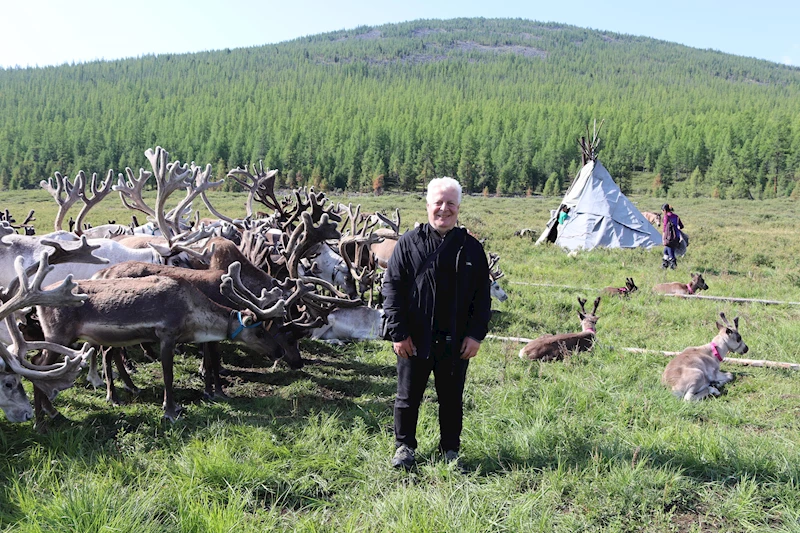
(600, 215)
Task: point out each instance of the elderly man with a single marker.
(437, 306)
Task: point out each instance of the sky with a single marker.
(54, 32)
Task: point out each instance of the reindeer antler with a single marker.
(97, 194)
(64, 193)
(494, 273)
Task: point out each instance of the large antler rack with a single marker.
(494, 273)
(305, 236)
(308, 307)
(261, 187)
(29, 292)
(267, 306)
(65, 193)
(170, 177)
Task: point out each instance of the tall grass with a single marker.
(592, 443)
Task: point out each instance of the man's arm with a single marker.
(481, 304)
(395, 292)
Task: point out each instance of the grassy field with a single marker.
(593, 443)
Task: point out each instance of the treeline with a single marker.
(498, 103)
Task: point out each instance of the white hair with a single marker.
(443, 184)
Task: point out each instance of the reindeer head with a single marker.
(494, 274)
(588, 320)
(698, 282)
(729, 335)
(630, 285)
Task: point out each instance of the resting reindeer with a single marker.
(157, 309)
(554, 347)
(629, 287)
(694, 373)
(653, 218)
(675, 287)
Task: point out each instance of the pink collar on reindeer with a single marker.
(715, 351)
(590, 330)
(689, 288)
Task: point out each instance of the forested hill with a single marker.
(498, 103)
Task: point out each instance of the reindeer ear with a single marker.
(720, 326)
(736, 322)
(248, 320)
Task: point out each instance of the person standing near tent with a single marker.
(563, 215)
(437, 309)
(670, 235)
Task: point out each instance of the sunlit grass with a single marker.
(592, 443)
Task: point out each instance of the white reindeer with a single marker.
(694, 373)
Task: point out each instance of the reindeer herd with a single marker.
(303, 268)
(264, 281)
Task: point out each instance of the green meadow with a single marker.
(591, 443)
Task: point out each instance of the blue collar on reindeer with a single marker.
(242, 327)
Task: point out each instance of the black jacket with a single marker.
(409, 292)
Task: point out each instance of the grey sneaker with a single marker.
(451, 456)
(403, 457)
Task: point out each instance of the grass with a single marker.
(592, 443)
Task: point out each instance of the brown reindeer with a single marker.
(653, 218)
(694, 373)
(622, 292)
(675, 287)
(155, 309)
(555, 347)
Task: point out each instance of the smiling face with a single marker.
(443, 209)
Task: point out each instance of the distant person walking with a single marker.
(437, 305)
(671, 226)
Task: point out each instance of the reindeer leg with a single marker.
(93, 377)
(42, 405)
(171, 409)
(120, 361)
(111, 392)
(211, 362)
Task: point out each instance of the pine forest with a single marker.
(497, 103)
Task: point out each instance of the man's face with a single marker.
(443, 210)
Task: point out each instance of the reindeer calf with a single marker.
(694, 373)
(675, 287)
(555, 347)
(629, 287)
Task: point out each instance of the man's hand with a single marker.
(469, 348)
(405, 348)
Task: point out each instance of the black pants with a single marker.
(449, 373)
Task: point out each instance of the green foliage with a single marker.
(496, 102)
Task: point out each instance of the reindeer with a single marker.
(158, 309)
(555, 347)
(694, 373)
(675, 287)
(48, 379)
(622, 292)
(494, 274)
(351, 324)
(653, 218)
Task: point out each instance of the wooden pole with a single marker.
(687, 296)
(732, 299)
(732, 360)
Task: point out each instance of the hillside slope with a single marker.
(498, 103)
